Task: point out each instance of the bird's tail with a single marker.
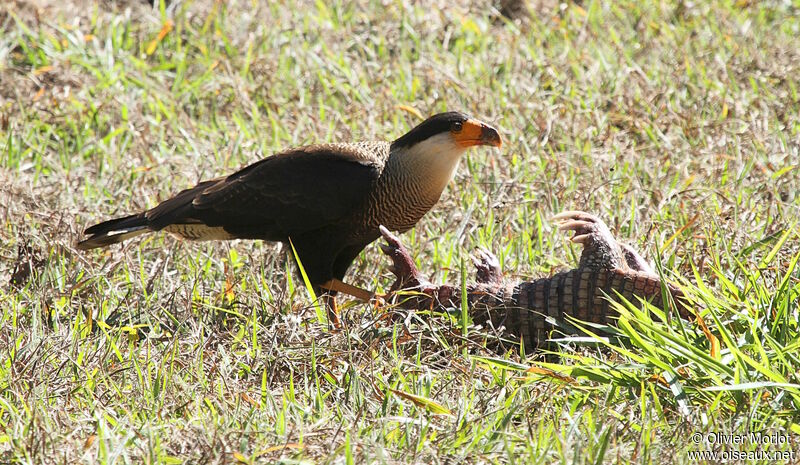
(114, 231)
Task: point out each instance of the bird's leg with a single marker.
(340, 286)
(334, 286)
(333, 309)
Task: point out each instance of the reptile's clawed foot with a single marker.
(488, 267)
(408, 277)
(600, 249)
(585, 225)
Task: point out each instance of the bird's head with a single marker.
(431, 151)
(448, 133)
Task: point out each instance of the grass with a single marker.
(676, 123)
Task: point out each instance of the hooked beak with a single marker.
(475, 132)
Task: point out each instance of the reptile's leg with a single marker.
(600, 250)
(488, 267)
(407, 274)
(635, 261)
(427, 295)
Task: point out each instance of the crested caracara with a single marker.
(328, 200)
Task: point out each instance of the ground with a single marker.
(677, 123)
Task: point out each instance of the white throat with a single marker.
(434, 161)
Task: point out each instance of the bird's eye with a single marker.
(456, 127)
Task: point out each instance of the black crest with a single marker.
(436, 124)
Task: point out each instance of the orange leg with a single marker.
(337, 285)
(333, 310)
(340, 286)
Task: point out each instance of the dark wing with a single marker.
(282, 195)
